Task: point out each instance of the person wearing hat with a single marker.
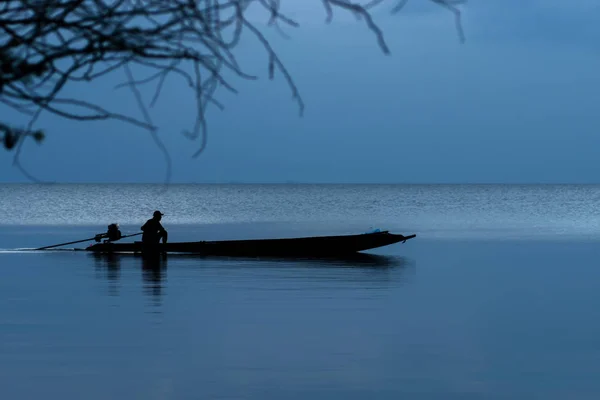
(153, 230)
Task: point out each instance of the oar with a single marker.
(84, 240)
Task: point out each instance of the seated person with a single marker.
(153, 230)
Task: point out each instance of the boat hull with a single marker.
(306, 246)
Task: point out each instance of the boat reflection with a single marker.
(363, 269)
(112, 266)
(153, 272)
(362, 260)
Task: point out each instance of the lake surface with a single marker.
(496, 298)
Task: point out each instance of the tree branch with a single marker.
(47, 45)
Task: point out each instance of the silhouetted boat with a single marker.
(287, 247)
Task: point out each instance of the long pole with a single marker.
(83, 240)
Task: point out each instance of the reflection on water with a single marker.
(348, 261)
(153, 272)
(363, 270)
(112, 266)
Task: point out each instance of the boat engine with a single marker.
(112, 234)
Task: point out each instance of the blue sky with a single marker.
(516, 103)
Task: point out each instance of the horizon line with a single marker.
(300, 183)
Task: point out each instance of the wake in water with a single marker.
(35, 250)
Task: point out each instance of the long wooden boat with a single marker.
(302, 247)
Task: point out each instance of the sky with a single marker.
(516, 103)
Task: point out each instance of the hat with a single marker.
(157, 213)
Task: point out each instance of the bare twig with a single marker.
(46, 45)
(151, 126)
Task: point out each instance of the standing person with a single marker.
(154, 231)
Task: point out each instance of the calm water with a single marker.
(496, 298)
